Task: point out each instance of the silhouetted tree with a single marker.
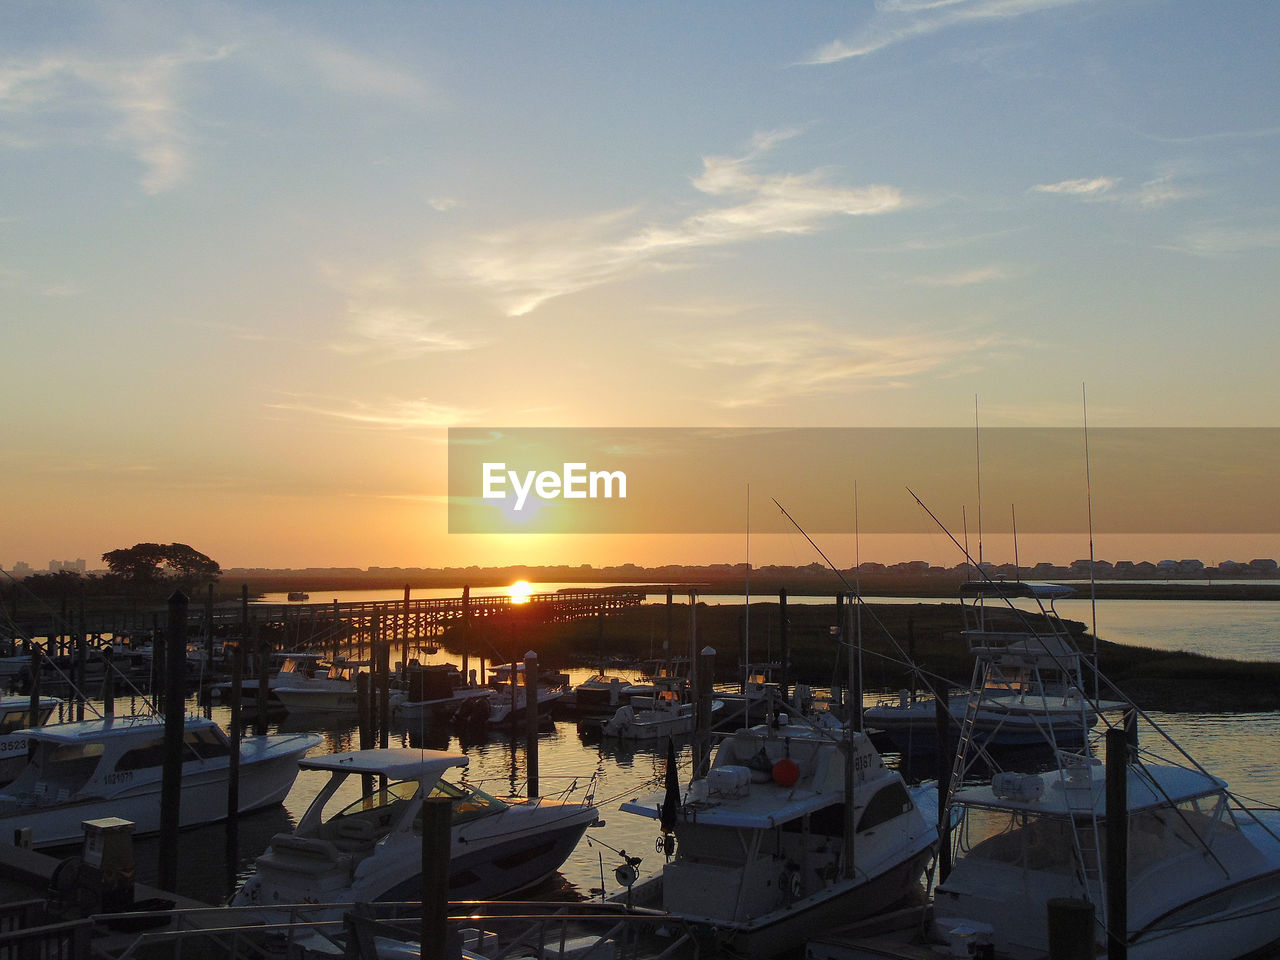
(149, 566)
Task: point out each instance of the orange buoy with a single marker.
(786, 772)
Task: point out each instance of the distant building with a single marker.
(1263, 566)
(21, 569)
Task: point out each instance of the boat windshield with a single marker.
(469, 803)
(400, 790)
(64, 768)
(1018, 839)
(23, 717)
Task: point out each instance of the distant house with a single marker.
(1263, 566)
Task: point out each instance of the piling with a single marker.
(437, 815)
(854, 651)
(364, 712)
(784, 647)
(1071, 924)
(34, 667)
(264, 682)
(1117, 843)
(82, 660)
(513, 715)
(382, 664)
(108, 683)
(693, 639)
(175, 714)
(466, 631)
(702, 721)
(208, 629)
(531, 721)
(404, 657)
(233, 772)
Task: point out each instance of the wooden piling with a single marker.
(784, 645)
(233, 771)
(437, 816)
(175, 715)
(34, 692)
(108, 683)
(1117, 844)
(702, 715)
(942, 730)
(531, 721)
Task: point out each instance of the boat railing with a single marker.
(496, 930)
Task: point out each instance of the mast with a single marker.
(1088, 495)
(746, 623)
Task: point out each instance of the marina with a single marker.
(1235, 747)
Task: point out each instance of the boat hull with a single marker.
(266, 776)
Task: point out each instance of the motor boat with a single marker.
(758, 854)
(332, 691)
(668, 712)
(113, 766)
(16, 715)
(350, 847)
(1028, 686)
(435, 691)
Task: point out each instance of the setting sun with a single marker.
(520, 591)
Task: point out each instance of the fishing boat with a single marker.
(292, 668)
(370, 849)
(759, 844)
(15, 716)
(600, 695)
(1028, 686)
(505, 705)
(113, 766)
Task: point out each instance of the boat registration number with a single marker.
(123, 777)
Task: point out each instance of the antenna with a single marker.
(1017, 571)
(1088, 494)
(964, 520)
(977, 451)
(746, 622)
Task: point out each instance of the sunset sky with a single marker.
(255, 259)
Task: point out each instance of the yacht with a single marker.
(353, 847)
(113, 767)
(758, 855)
(668, 711)
(15, 715)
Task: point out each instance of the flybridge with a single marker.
(573, 482)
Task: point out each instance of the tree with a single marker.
(150, 565)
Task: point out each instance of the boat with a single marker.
(16, 715)
(1028, 687)
(759, 842)
(292, 667)
(505, 706)
(331, 691)
(668, 712)
(295, 595)
(435, 691)
(113, 766)
(600, 695)
(1203, 871)
(371, 849)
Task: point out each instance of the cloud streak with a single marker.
(897, 22)
(391, 414)
(781, 363)
(529, 265)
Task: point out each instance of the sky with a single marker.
(257, 259)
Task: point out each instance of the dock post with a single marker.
(208, 630)
(512, 716)
(404, 658)
(174, 717)
(108, 683)
(466, 631)
(784, 646)
(693, 640)
(702, 733)
(233, 772)
(264, 680)
(1117, 843)
(437, 815)
(34, 691)
(531, 721)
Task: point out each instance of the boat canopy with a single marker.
(397, 763)
(1015, 588)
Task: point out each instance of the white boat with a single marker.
(293, 667)
(1202, 872)
(332, 691)
(599, 696)
(113, 766)
(496, 709)
(1028, 686)
(15, 716)
(348, 848)
(759, 842)
(667, 712)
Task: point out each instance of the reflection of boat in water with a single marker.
(371, 849)
(760, 853)
(1028, 684)
(113, 767)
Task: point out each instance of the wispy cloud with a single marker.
(1150, 195)
(991, 273)
(392, 414)
(1216, 241)
(778, 363)
(529, 265)
(399, 332)
(127, 100)
(896, 21)
(1090, 187)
